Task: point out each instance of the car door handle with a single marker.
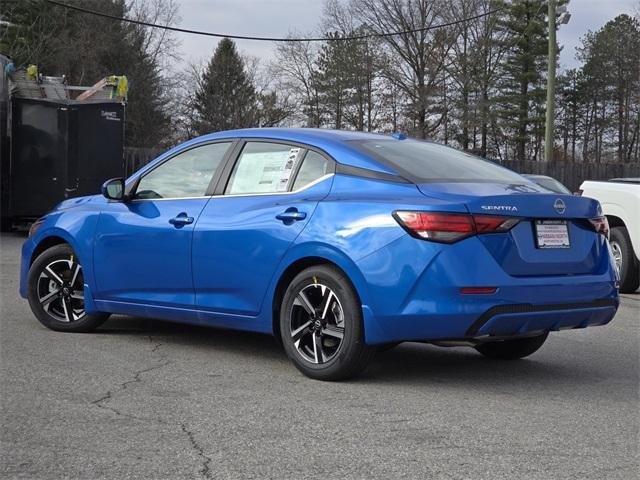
(181, 220)
(291, 215)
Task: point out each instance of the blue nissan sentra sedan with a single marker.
(338, 243)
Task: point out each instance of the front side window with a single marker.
(424, 162)
(186, 175)
(263, 168)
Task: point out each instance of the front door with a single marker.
(142, 250)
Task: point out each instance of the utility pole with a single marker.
(551, 84)
(563, 19)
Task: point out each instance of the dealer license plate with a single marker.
(552, 234)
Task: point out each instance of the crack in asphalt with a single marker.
(102, 403)
(206, 460)
(99, 402)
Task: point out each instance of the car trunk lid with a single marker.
(554, 235)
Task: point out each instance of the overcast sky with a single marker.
(275, 18)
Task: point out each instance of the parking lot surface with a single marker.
(147, 399)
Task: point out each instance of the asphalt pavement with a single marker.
(148, 399)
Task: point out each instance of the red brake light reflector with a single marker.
(478, 290)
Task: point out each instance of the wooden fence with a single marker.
(572, 174)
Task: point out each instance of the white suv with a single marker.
(620, 200)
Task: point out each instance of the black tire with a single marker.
(629, 267)
(338, 311)
(512, 349)
(66, 302)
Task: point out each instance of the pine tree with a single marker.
(333, 79)
(612, 67)
(523, 86)
(225, 97)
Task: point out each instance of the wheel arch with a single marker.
(45, 244)
(297, 265)
(623, 216)
(57, 236)
(615, 221)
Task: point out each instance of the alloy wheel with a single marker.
(60, 290)
(617, 255)
(317, 323)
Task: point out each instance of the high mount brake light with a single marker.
(451, 227)
(600, 225)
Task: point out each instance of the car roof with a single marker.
(315, 133)
(333, 142)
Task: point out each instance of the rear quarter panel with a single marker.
(353, 222)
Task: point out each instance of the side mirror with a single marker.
(113, 189)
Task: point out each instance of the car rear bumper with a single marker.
(504, 320)
(417, 296)
(520, 319)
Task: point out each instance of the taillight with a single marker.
(600, 225)
(491, 224)
(451, 227)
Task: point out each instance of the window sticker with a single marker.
(287, 170)
(264, 172)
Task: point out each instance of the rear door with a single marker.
(142, 250)
(262, 204)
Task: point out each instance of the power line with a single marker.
(267, 39)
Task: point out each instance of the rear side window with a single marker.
(424, 162)
(313, 167)
(186, 175)
(263, 168)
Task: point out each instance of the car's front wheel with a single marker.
(321, 325)
(512, 349)
(56, 292)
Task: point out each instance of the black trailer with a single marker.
(59, 149)
(4, 138)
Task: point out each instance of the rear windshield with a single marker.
(426, 162)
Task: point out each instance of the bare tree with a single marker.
(160, 44)
(295, 70)
(420, 52)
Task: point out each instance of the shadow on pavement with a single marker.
(409, 363)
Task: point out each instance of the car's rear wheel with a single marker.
(625, 258)
(321, 325)
(56, 292)
(512, 349)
